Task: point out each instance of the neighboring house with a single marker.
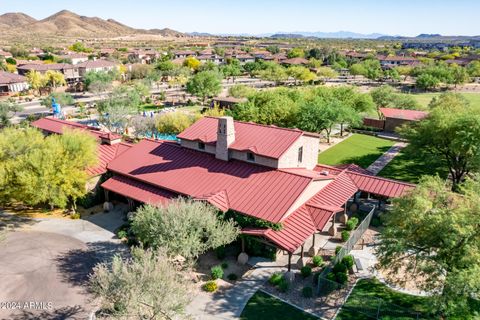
(264, 172)
(110, 145)
(212, 58)
(183, 54)
(295, 62)
(96, 65)
(227, 102)
(395, 61)
(395, 118)
(75, 58)
(5, 54)
(11, 82)
(70, 72)
(244, 58)
(143, 56)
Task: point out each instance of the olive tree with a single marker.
(183, 227)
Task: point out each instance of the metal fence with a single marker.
(348, 246)
(355, 236)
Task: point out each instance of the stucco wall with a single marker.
(310, 154)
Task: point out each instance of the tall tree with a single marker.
(54, 78)
(300, 73)
(205, 84)
(319, 114)
(184, 227)
(433, 235)
(450, 132)
(36, 80)
(44, 171)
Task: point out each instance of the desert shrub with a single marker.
(317, 261)
(337, 249)
(220, 252)
(275, 278)
(352, 223)
(375, 222)
(232, 277)
(210, 286)
(348, 261)
(216, 272)
(75, 216)
(307, 292)
(331, 276)
(283, 285)
(306, 271)
(224, 265)
(345, 235)
(340, 268)
(122, 234)
(341, 277)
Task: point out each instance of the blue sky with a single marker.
(405, 17)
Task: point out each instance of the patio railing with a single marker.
(347, 246)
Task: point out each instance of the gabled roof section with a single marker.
(138, 191)
(218, 199)
(268, 141)
(411, 115)
(253, 190)
(380, 186)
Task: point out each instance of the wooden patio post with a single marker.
(243, 244)
(106, 194)
(289, 261)
(301, 252)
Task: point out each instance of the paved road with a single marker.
(48, 260)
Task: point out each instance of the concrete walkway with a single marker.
(229, 303)
(385, 158)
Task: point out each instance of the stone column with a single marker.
(333, 230)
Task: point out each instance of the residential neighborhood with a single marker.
(163, 162)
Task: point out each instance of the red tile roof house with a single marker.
(11, 82)
(109, 145)
(264, 172)
(395, 118)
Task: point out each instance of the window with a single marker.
(201, 146)
(300, 155)
(250, 157)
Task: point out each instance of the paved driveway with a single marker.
(34, 268)
(47, 262)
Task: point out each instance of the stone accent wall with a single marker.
(392, 123)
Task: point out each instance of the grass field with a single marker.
(425, 98)
(368, 294)
(409, 166)
(263, 306)
(359, 149)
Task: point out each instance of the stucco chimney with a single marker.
(225, 137)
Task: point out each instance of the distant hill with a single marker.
(286, 36)
(15, 19)
(69, 24)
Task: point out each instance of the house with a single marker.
(109, 145)
(11, 82)
(210, 58)
(394, 118)
(226, 102)
(5, 54)
(295, 62)
(395, 61)
(96, 65)
(264, 172)
(70, 72)
(183, 54)
(75, 58)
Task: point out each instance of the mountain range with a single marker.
(68, 24)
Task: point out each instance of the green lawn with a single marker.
(263, 306)
(409, 166)
(365, 298)
(359, 149)
(425, 98)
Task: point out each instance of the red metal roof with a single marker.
(137, 190)
(296, 228)
(253, 190)
(268, 141)
(403, 114)
(106, 152)
(380, 186)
